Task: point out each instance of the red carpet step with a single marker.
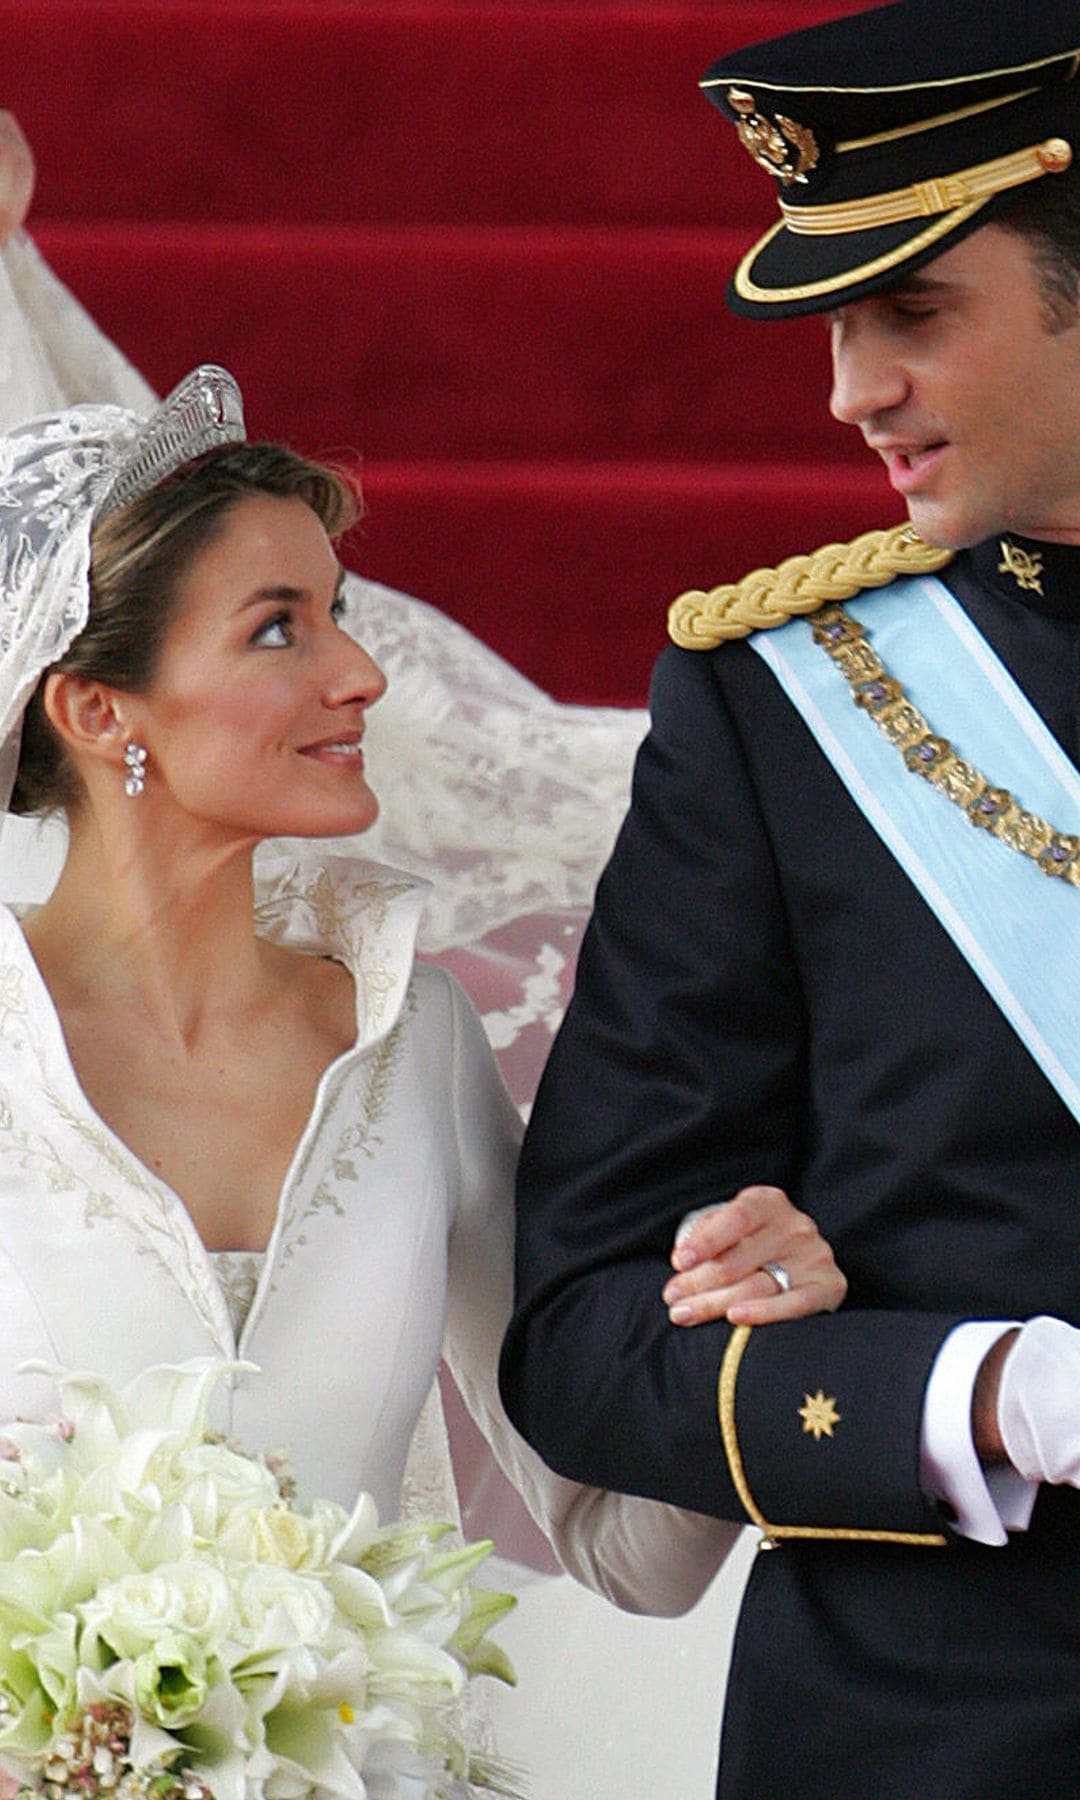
(464, 343)
(406, 113)
(568, 569)
(480, 244)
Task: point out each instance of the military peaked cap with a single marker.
(893, 133)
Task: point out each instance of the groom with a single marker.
(837, 949)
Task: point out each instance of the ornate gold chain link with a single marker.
(990, 808)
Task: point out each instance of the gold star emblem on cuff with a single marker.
(819, 1415)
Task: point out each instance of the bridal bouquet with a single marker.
(173, 1626)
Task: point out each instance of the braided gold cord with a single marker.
(799, 585)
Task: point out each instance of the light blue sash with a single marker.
(1018, 928)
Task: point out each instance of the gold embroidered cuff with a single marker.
(823, 1418)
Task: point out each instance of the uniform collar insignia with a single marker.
(1025, 566)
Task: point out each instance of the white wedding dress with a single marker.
(508, 802)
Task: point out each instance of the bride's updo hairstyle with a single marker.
(139, 557)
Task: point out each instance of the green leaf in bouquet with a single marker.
(55, 1657)
(26, 1733)
(451, 1571)
(470, 1641)
(399, 1545)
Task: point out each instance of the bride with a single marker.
(506, 799)
(325, 1107)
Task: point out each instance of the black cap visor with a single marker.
(786, 273)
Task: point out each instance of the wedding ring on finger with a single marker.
(779, 1275)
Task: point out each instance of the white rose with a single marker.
(236, 1480)
(129, 1615)
(276, 1608)
(274, 1534)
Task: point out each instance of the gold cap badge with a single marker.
(772, 144)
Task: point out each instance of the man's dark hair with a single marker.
(1047, 214)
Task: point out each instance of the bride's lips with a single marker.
(911, 466)
(337, 752)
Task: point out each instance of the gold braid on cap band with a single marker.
(926, 199)
(799, 585)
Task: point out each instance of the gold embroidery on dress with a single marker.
(346, 913)
(12, 991)
(340, 907)
(148, 1212)
(237, 1273)
(152, 1213)
(771, 144)
(1025, 566)
(359, 1136)
(159, 1220)
(151, 1224)
(992, 809)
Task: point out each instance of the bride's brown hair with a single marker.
(139, 556)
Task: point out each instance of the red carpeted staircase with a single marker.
(480, 246)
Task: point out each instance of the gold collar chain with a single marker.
(992, 809)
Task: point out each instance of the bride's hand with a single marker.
(722, 1255)
(16, 175)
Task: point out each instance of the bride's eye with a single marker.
(276, 634)
(339, 609)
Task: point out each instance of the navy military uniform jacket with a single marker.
(763, 997)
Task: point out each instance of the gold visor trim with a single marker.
(748, 289)
(777, 1534)
(928, 199)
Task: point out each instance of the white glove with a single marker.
(1039, 1402)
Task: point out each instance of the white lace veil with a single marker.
(53, 472)
(58, 473)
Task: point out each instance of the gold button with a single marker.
(1055, 155)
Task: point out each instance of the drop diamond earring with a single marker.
(135, 763)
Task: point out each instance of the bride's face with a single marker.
(255, 716)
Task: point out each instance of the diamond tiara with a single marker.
(204, 410)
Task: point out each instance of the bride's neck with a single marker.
(164, 931)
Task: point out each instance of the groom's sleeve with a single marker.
(679, 1076)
